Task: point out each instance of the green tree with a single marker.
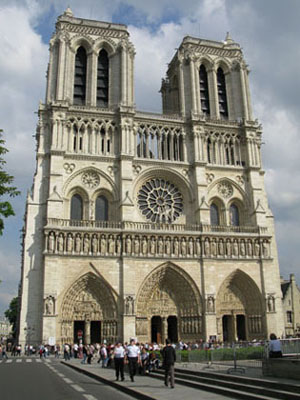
(12, 314)
(6, 189)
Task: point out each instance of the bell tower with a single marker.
(207, 79)
(91, 64)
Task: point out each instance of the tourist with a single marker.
(133, 357)
(275, 349)
(169, 358)
(119, 355)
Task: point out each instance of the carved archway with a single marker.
(169, 291)
(89, 299)
(239, 308)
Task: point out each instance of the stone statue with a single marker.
(221, 248)
(207, 248)
(228, 248)
(51, 242)
(183, 247)
(70, 243)
(86, 245)
(152, 246)
(168, 246)
(176, 247)
(78, 244)
(128, 245)
(213, 247)
(271, 303)
(265, 249)
(111, 245)
(95, 244)
(210, 304)
(160, 246)
(103, 244)
(129, 305)
(144, 246)
(191, 247)
(250, 250)
(136, 246)
(49, 305)
(60, 243)
(235, 248)
(198, 247)
(243, 248)
(257, 248)
(118, 245)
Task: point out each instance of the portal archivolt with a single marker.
(89, 311)
(168, 304)
(239, 308)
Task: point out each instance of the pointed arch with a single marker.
(177, 284)
(240, 308)
(90, 298)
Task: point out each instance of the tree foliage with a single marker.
(6, 189)
(12, 313)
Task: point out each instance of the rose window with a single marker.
(160, 201)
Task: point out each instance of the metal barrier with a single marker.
(291, 347)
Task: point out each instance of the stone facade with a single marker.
(140, 224)
(291, 306)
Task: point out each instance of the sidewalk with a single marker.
(144, 387)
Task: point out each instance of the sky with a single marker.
(267, 30)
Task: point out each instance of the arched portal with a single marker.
(239, 309)
(168, 304)
(89, 311)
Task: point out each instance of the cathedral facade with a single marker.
(140, 224)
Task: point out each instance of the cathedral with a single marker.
(140, 224)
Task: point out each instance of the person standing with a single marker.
(133, 356)
(119, 354)
(169, 358)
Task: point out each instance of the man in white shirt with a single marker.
(133, 356)
(119, 354)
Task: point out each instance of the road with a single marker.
(29, 378)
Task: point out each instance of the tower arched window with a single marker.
(102, 79)
(234, 215)
(80, 76)
(223, 108)
(204, 94)
(76, 207)
(214, 215)
(101, 213)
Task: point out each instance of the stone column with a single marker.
(181, 89)
(60, 69)
(87, 332)
(192, 76)
(244, 94)
(123, 74)
(213, 93)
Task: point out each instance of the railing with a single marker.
(148, 226)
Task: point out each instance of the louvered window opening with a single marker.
(102, 79)
(204, 94)
(80, 77)
(223, 109)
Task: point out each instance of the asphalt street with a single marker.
(29, 378)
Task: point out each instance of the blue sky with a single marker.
(267, 30)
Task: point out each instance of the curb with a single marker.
(132, 392)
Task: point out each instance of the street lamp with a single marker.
(28, 332)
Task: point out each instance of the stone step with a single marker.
(235, 388)
(224, 391)
(266, 383)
